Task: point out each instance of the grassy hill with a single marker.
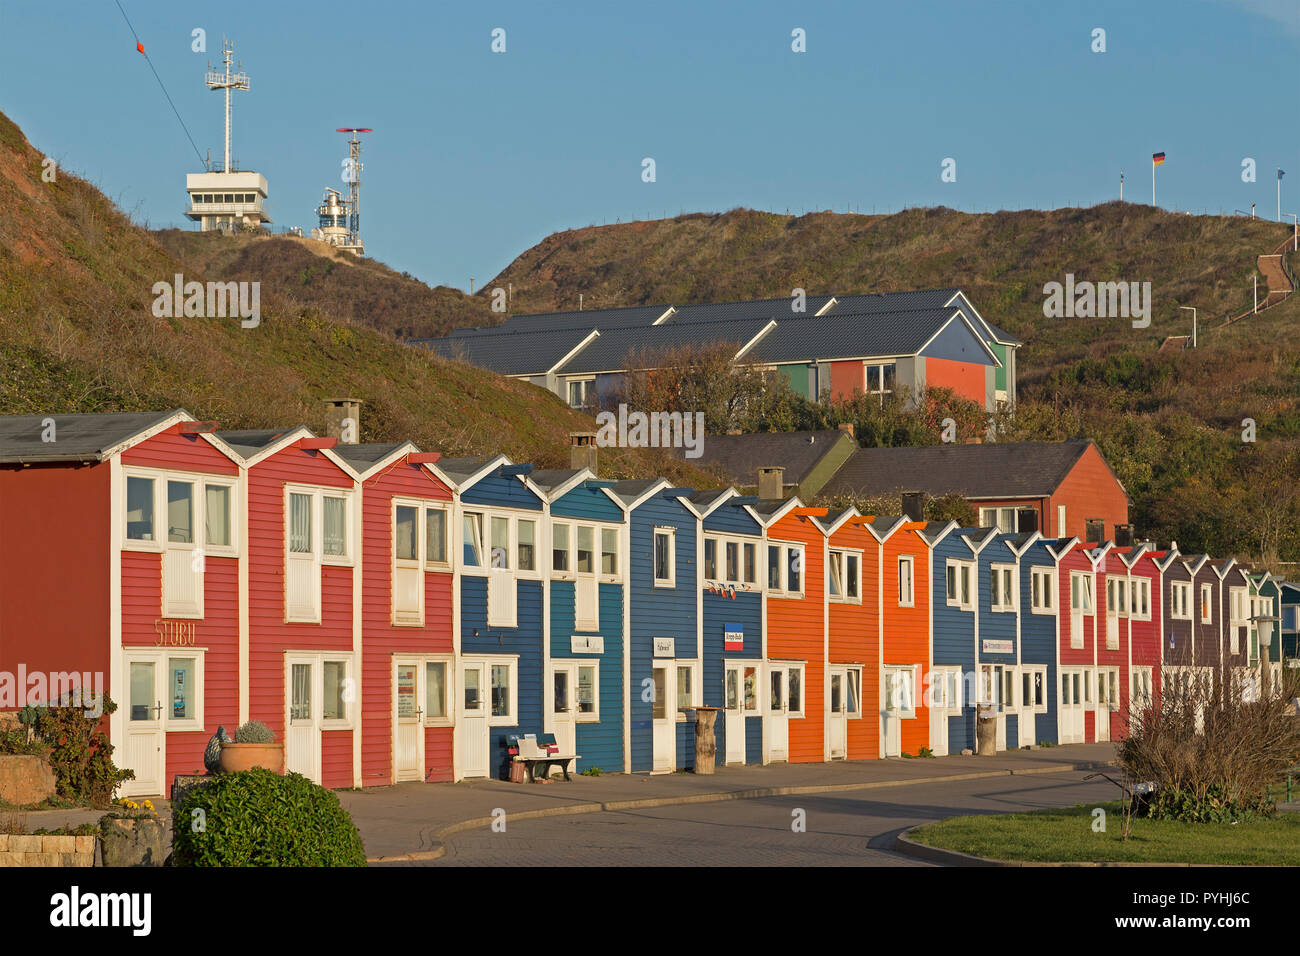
(77, 334)
(1170, 424)
(312, 274)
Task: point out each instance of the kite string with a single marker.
(140, 47)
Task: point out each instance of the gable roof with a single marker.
(510, 352)
(83, 437)
(609, 352)
(740, 456)
(844, 335)
(984, 471)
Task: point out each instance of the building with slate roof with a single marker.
(876, 344)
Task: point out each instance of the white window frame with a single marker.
(965, 584)
(419, 563)
(500, 660)
(882, 391)
(1089, 592)
(512, 517)
(997, 514)
(1028, 671)
(159, 656)
(693, 665)
(788, 550)
(317, 661)
(1045, 577)
(575, 664)
(908, 561)
(200, 480)
(1006, 573)
(839, 558)
(1139, 597)
(588, 383)
(785, 667)
(448, 662)
(852, 673)
(597, 544)
(671, 534)
(318, 494)
(943, 679)
(1180, 600)
(909, 670)
(1207, 601)
(721, 542)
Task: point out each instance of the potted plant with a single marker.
(254, 746)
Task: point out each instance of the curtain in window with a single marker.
(300, 523)
(336, 532)
(436, 534)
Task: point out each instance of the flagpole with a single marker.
(1153, 181)
(1121, 187)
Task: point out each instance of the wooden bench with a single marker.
(534, 753)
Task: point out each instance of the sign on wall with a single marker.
(665, 647)
(587, 644)
(175, 633)
(733, 637)
(990, 646)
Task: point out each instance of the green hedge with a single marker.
(259, 818)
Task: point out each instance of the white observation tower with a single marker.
(230, 199)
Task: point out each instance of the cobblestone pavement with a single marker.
(855, 828)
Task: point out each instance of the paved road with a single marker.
(854, 828)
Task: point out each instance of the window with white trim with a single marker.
(1139, 598)
(188, 502)
(1005, 520)
(1207, 604)
(730, 561)
(946, 688)
(1033, 693)
(906, 580)
(879, 378)
(170, 678)
(419, 541)
(1042, 590)
(844, 576)
(900, 691)
(580, 548)
(960, 584)
(503, 681)
(1116, 596)
(1081, 584)
(582, 391)
(1002, 587)
(317, 532)
(665, 557)
(1180, 600)
(686, 687)
(785, 569)
(438, 673)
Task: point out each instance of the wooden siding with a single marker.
(796, 631)
(1038, 640)
(853, 638)
(381, 639)
(907, 630)
(964, 378)
(1090, 490)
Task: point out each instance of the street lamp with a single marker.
(1264, 623)
(1191, 309)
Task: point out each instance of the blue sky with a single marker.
(478, 155)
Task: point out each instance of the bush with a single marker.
(254, 732)
(80, 753)
(260, 818)
(1210, 748)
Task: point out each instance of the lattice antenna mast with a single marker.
(227, 81)
(354, 182)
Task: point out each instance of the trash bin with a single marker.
(986, 730)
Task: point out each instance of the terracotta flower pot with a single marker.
(246, 756)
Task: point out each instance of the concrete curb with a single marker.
(439, 848)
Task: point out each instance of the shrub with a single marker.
(260, 818)
(254, 732)
(80, 753)
(1210, 748)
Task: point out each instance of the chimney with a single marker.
(582, 450)
(771, 482)
(847, 428)
(914, 505)
(1094, 531)
(1026, 520)
(343, 420)
(1123, 536)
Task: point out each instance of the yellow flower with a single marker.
(148, 805)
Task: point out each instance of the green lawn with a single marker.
(1066, 835)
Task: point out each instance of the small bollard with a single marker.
(986, 730)
(706, 744)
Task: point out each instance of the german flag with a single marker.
(1157, 159)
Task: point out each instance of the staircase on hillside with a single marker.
(1276, 275)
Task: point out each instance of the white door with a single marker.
(945, 702)
(1031, 691)
(992, 692)
(408, 730)
(664, 719)
(564, 707)
(1107, 688)
(1071, 717)
(738, 681)
(838, 718)
(146, 744)
(472, 733)
(778, 720)
(302, 740)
